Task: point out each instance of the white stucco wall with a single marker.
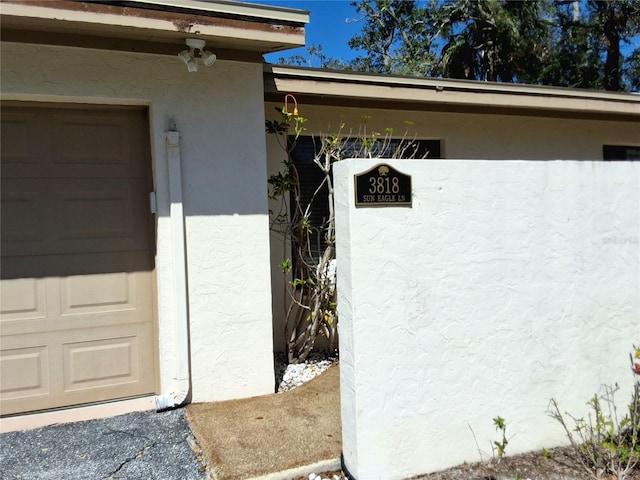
(506, 283)
(462, 136)
(473, 135)
(219, 112)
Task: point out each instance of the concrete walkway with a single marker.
(279, 436)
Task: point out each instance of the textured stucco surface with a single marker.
(506, 284)
(473, 135)
(219, 112)
(462, 136)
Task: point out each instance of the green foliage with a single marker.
(282, 181)
(605, 442)
(482, 39)
(499, 446)
(615, 22)
(572, 43)
(631, 70)
(286, 266)
(315, 58)
(392, 37)
(273, 126)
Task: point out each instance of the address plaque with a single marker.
(382, 186)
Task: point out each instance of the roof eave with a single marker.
(221, 24)
(356, 88)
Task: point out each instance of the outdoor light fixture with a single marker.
(189, 56)
(207, 57)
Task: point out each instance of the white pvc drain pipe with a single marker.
(182, 385)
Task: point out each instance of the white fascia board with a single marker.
(235, 8)
(449, 91)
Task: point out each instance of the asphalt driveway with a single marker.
(141, 445)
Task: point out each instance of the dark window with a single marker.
(620, 152)
(311, 176)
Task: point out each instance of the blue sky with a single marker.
(332, 23)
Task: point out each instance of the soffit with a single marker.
(153, 26)
(408, 93)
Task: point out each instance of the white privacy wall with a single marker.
(506, 283)
(219, 112)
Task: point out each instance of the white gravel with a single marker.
(313, 476)
(289, 377)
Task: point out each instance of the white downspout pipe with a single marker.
(182, 386)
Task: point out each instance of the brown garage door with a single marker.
(77, 274)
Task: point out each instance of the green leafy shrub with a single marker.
(607, 442)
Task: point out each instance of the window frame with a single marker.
(620, 152)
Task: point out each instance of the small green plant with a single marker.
(606, 442)
(499, 447)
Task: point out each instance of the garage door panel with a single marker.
(90, 141)
(22, 299)
(105, 292)
(92, 215)
(28, 302)
(21, 150)
(100, 145)
(101, 363)
(98, 297)
(22, 215)
(105, 215)
(109, 360)
(17, 139)
(25, 372)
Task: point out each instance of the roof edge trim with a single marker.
(233, 8)
(446, 84)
